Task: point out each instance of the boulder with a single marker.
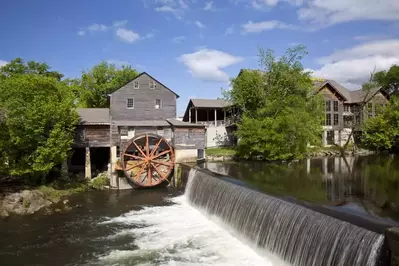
(25, 202)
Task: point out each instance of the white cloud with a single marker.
(229, 30)
(149, 36)
(257, 27)
(97, 27)
(81, 32)
(199, 24)
(209, 6)
(175, 7)
(127, 35)
(179, 39)
(208, 64)
(3, 63)
(119, 23)
(267, 4)
(353, 66)
(369, 37)
(329, 12)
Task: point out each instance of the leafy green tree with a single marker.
(37, 125)
(282, 114)
(19, 67)
(101, 80)
(382, 132)
(389, 80)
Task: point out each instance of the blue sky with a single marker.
(194, 46)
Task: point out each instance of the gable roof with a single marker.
(93, 116)
(355, 96)
(210, 103)
(145, 73)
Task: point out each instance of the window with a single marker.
(335, 106)
(130, 103)
(328, 106)
(336, 120)
(370, 110)
(328, 119)
(136, 84)
(347, 108)
(158, 104)
(159, 131)
(152, 84)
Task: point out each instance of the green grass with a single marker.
(55, 192)
(220, 151)
(99, 182)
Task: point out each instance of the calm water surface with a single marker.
(364, 185)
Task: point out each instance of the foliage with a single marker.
(54, 192)
(102, 80)
(389, 80)
(382, 132)
(99, 182)
(19, 67)
(225, 151)
(281, 113)
(38, 123)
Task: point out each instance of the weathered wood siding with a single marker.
(189, 138)
(92, 136)
(329, 94)
(144, 101)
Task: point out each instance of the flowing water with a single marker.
(151, 227)
(215, 222)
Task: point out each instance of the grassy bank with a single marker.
(57, 190)
(220, 151)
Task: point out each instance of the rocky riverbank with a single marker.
(49, 199)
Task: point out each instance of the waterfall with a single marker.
(295, 233)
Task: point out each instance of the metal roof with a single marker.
(93, 116)
(210, 103)
(145, 123)
(178, 123)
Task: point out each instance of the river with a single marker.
(159, 227)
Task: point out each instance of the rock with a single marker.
(25, 202)
(65, 201)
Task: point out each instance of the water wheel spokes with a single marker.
(148, 160)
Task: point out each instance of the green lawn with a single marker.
(222, 151)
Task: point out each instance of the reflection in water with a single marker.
(363, 185)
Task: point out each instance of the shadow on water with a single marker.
(73, 238)
(364, 185)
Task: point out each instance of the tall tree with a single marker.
(282, 114)
(37, 125)
(388, 80)
(19, 67)
(101, 80)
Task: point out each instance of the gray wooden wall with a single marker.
(144, 102)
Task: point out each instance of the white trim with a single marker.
(152, 84)
(160, 104)
(127, 103)
(138, 84)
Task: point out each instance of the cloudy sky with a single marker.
(195, 46)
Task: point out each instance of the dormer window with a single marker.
(130, 103)
(158, 104)
(152, 84)
(136, 84)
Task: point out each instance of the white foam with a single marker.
(178, 235)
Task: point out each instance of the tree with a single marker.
(101, 80)
(382, 132)
(388, 80)
(38, 124)
(19, 67)
(281, 113)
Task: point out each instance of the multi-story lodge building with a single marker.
(344, 112)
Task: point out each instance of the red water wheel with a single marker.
(148, 160)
